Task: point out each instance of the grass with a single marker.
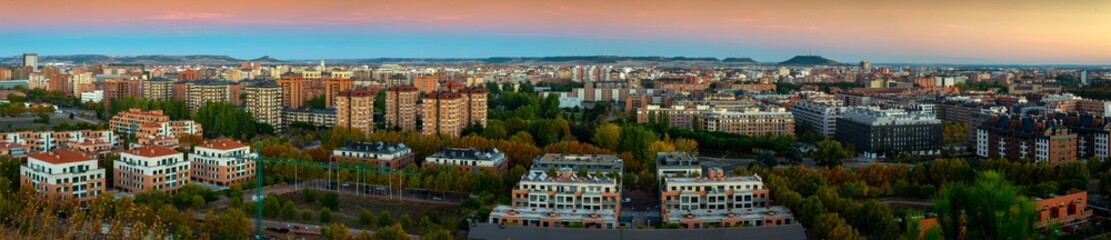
(351, 205)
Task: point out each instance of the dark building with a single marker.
(875, 133)
(1016, 137)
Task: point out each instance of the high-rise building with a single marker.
(426, 83)
(401, 107)
(333, 88)
(151, 167)
(264, 102)
(65, 173)
(443, 113)
(217, 162)
(31, 60)
(355, 109)
(202, 92)
(158, 89)
(475, 110)
(875, 132)
(294, 92)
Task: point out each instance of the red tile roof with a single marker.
(151, 151)
(60, 156)
(223, 144)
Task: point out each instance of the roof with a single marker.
(60, 156)
(402, 88)
(151, 151)
(358, 92)
(492, 231)
(222, 144)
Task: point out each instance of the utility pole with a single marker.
(258, 191)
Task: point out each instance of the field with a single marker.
(8, 124)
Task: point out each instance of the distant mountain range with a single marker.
(226, 60)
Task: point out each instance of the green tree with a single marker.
(384, 219)
(830, 153)
(330, 200)
(988, 208)
(308, 195)
(325, 215)
(830, 226)
(317, 102)
(405, 221)
(366, 218)
(769, 160)
(335, 231)
(607, 136)
(306, 215)
(392, 232)
(232, 224)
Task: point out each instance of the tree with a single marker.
(830, 153)
(439, 234)
(794, 155)
(308, 195)
(392, 232)
(384, 219)
(830, 226)
(232, 224)
(768, 160)
(317, 102)
(988, 208)
(224, 119)
(607, 136)
(325, 215)
(335, 231)
(306, 215)
(330, 200)
(405, 221)
(366, 218)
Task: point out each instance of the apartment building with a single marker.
(715, 200)
(325, 118)
(541, 200)
(218, 162)
(752, 121)
(128, 122)
(401, 107)
(264, 102)
(1056, 138)
(593, 163)
(383, 155)
(822, 117)
(443, 113)
(469, 160)
(294, 92)
(65, 173)
(158, 89)
(355, 110)
(677, 164)
(1069, 210)
(202, 92)
(36, 142)
(876, 133)
(169, 129)
(151, 167)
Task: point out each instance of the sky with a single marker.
(894, 31)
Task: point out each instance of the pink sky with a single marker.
(1077, 31)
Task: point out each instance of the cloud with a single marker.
(452, 17)
(175, 15)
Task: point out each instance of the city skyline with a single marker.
(1013, 32)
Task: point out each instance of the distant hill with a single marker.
(141, 59)
(739, 60)
(553, 60)
(808, 60)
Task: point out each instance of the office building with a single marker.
(65, 173)
(151, 167)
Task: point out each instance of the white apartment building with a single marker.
(822, 117)
(64, 173)
(219, 162)
(151, 167)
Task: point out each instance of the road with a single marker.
(77, 116)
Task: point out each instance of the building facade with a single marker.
(65, 173)
(541, 200)
(677, 164)
(218, 162)
(151, 167)
(383, 155)
(355, 110)
(822, 117)
(443, 113)
(264, 102)
(875, 132)
(401, 107)
(751, 121)
(719, 201)
(469, 160)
